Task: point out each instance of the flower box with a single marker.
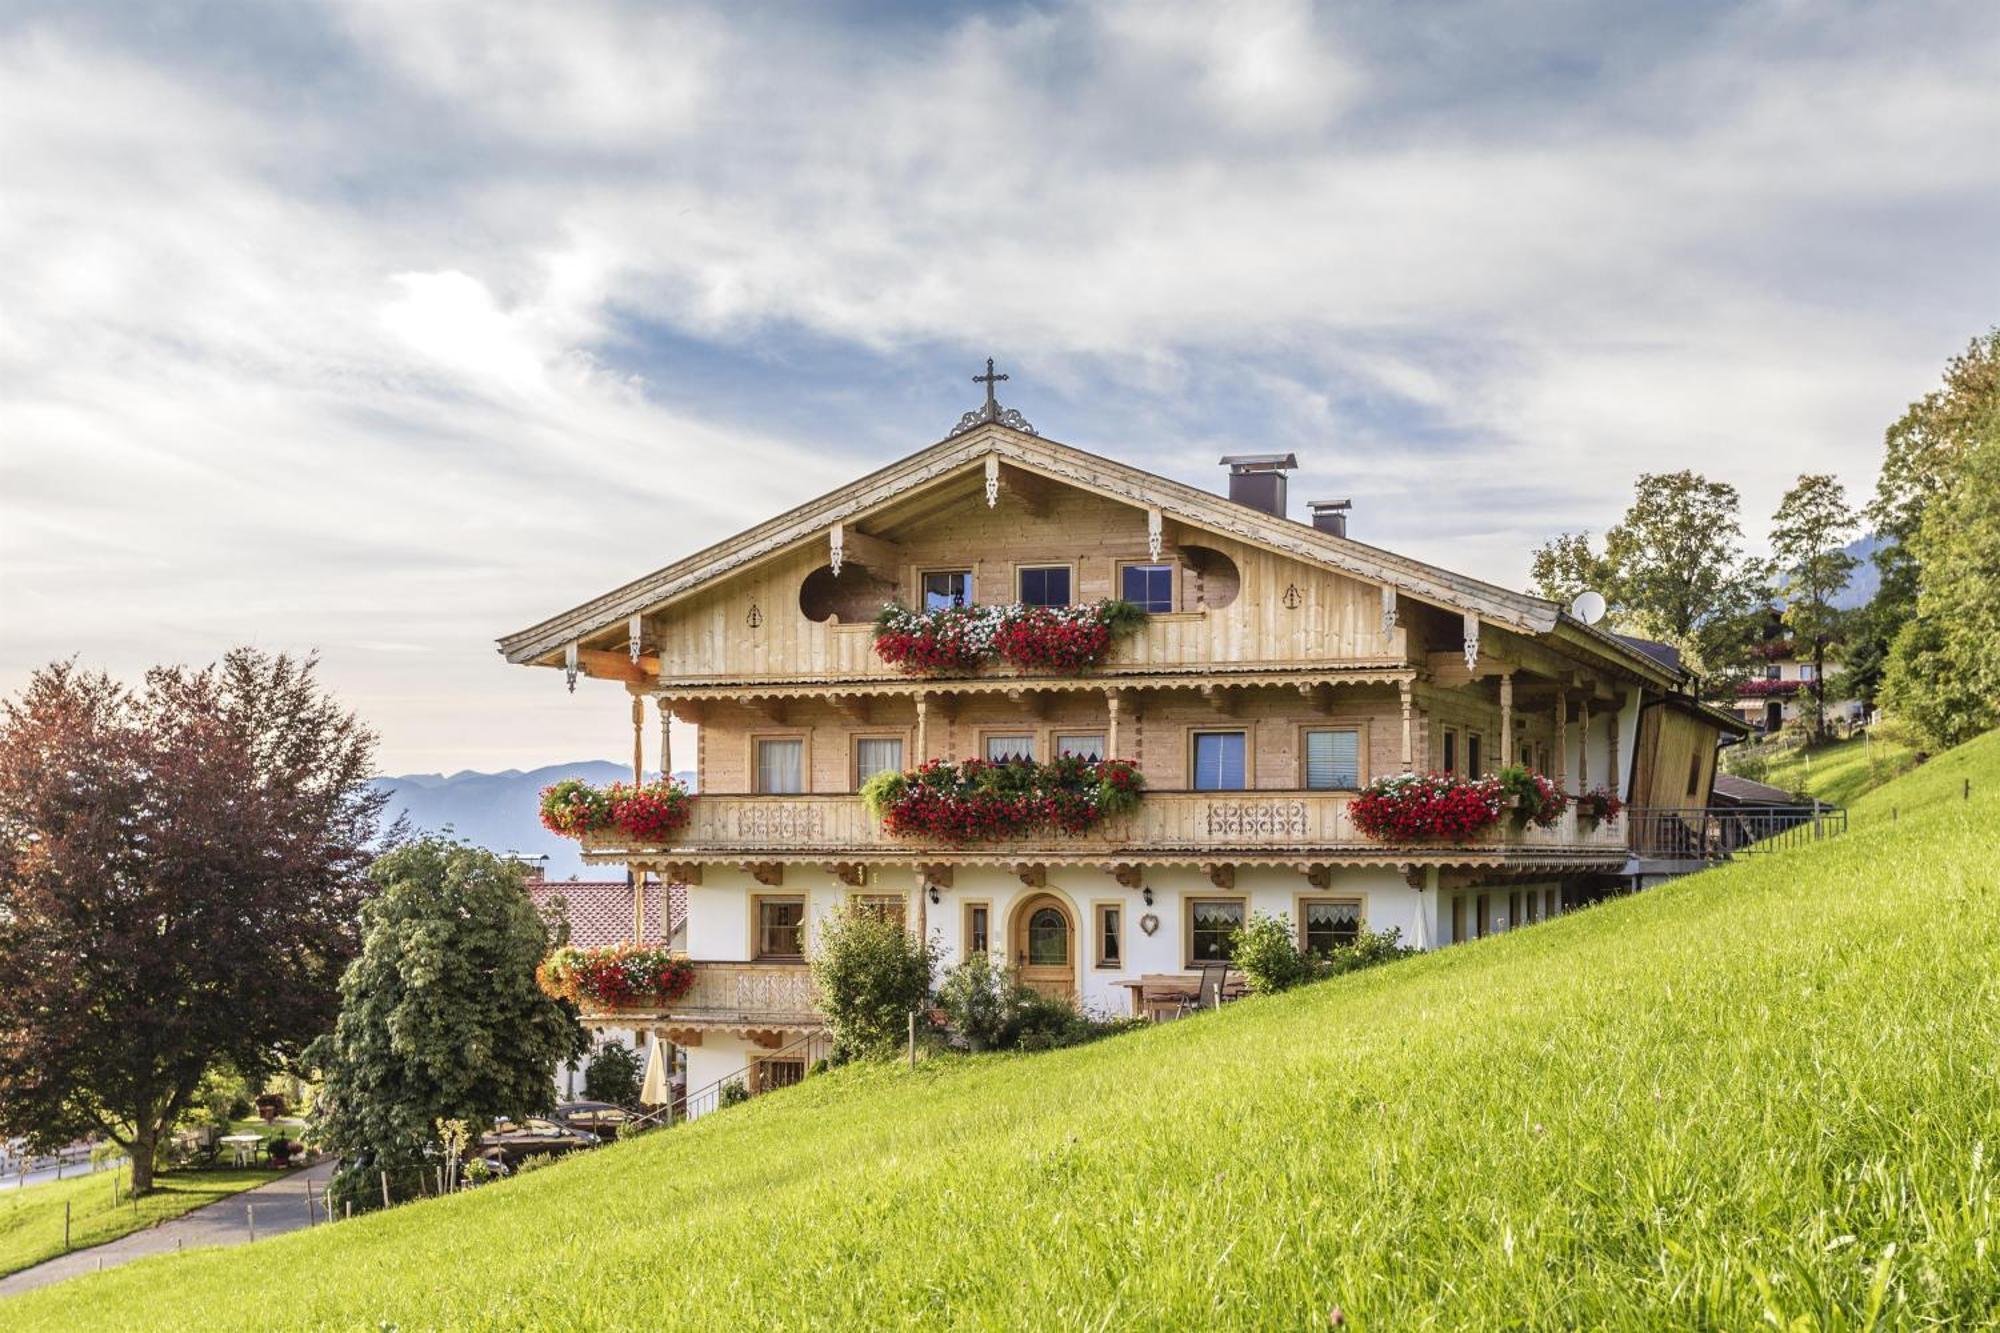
(1599, 805)
(1428, 807)
(977, 801)
(648, 811)
(1534, 799)
(615, 978)
(958, 641)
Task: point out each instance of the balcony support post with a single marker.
(638, 878)
(638, 740)
(1111, 703)
(1583, 745)
(1506, 718)
(923, 743)
(1562, 738)
(666, 737)
(1409, 753)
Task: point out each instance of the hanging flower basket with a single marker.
(1599, 805)
(648, 811)
(958, 641)
(619, 977)
(1532, 798)
(1428, 807)
(977, 801)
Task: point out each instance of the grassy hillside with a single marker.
(1768, 1092)
(31, 1219)
(1840, 772)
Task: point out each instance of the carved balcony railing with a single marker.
(1251, 823)
(749, 993)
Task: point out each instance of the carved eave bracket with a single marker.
(1472, 641)
(1388, 610)
(1155, 522)
(570, 667)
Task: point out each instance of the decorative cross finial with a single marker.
(993, 412)
(989, 379)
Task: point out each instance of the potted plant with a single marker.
(1533, 799)
(1599, 805)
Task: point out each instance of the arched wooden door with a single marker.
(1045, 945)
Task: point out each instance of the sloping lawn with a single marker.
(1841, 772)
(31, 1219)
(1766, 1094)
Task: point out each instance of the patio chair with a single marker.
(1208, 992)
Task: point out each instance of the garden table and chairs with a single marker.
(242, 1148)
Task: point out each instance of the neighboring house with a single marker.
(1283, 668)
(1779, 690)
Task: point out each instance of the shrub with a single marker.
(478, 1171)
(732, 1093)
(1266, 948)
(613, 1075)
(980, 1000)
(869, 973)
(534, 1162)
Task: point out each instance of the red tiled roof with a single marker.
(600, 910)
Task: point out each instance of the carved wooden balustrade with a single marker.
(749, 992)
(1214, 824)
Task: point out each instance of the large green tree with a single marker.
(441, 1017)
(181, 868)
(1673, 568)
(1809, 534)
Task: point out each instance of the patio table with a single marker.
(242, 1147)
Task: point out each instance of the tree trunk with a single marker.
(1819, 687)
(144, 1141)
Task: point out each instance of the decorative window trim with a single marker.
(1357, 725)
(1188, 904)
(1301, 900)
(1098, 906)
(800, 734)
(907, 735)
(1243, 729)
(756, 950)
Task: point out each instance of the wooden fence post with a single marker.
(65, 1226)
(913, 1039)
(250, 1217)
(385, 1189)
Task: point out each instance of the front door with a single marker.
(1045, 947)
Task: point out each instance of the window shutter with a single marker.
(1333, 760)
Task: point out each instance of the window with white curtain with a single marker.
(877, 754)
(781, 766)
(1090, 745)
(1000, 749)
(1333, 760)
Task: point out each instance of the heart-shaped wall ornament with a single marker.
(1149, 923)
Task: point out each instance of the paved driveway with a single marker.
(279, 1206)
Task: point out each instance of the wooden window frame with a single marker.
(1173, 568)
(1034, 733)
(1188, 904)
(1056, 735)
(1448, 751)
(1301, 900)
(759, 1078)
(801, 734)
(1022, 566)
(907, 735)
(1098, 906)
(970, 571)
(1359, 726)
(1475, 738)
(756, 950)
(1243, 729)
(965, 949)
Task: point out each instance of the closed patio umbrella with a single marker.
(655, 1091)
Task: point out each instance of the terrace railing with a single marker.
(806, 1051)
(1717, 833)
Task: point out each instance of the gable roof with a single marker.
(959, 455)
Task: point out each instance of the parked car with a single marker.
(603, 1119)
(512, 1140)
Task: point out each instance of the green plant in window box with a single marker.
(1532, 798)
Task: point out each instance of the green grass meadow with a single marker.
(31, 1219)
(1762, 1096)
(1839, 772)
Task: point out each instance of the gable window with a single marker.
(1333, 759)
(1045, 585)
(1328, 923)
(781, 766)
(877, 754)
(888, 906)
(1472, 755)
(978, 931)
(1450, 761)
(1211, 921)
(1088, 745)
(1109, 954)
(946, 588)
(1219, 760)
(1004, 749)
(1148, 587)
(781, 928)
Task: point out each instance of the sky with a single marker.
(380, 330)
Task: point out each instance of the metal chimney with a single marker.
(1330, 515)
(1258, 480)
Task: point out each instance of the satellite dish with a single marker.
(1588, 607)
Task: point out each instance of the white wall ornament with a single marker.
(569, 666)
(1471, 641)
(992, 480)
(1154, 523)
(838, 550)
(1149, 922)
(635, 629)
(1388, 609)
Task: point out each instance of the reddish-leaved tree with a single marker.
(181, 874)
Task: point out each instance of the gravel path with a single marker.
(278, 1207)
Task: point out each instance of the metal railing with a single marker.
(807, 1050)
(1716, 833)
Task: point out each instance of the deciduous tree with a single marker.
(440, 1016)
(1566, 565)
(1813, 523)
(181, 870)
(1680, 572)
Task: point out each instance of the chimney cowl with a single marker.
(1330, 516)
(1258, 480)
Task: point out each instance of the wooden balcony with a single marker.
(1171, 827)
(742, 997)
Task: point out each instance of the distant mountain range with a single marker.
(1861, 589)
(499, 811)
